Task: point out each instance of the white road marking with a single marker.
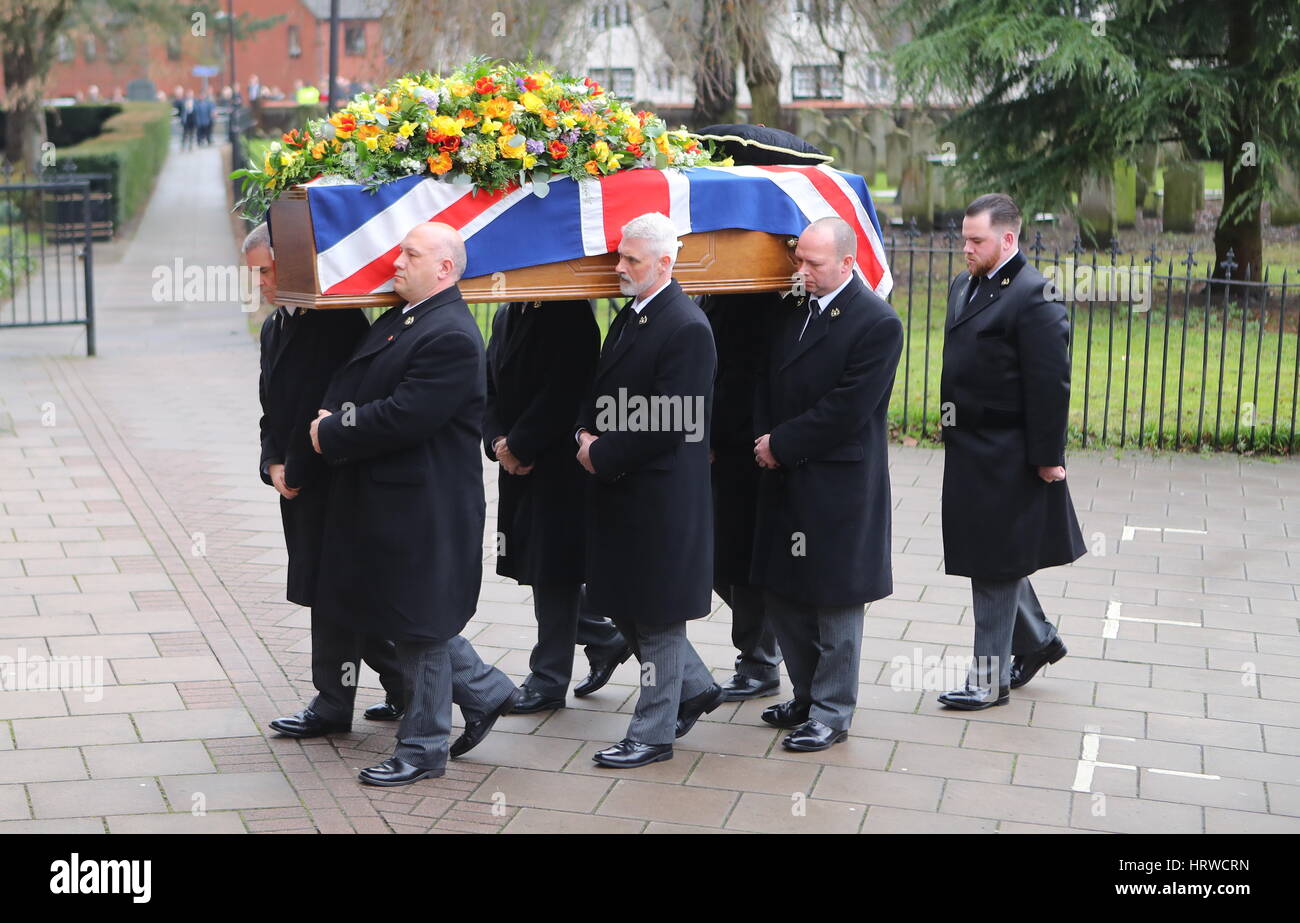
(1127, 535)
(1088, 762)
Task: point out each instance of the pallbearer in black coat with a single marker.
(644, 436)
(741, 333)
(403, 551)
(540, 362)
(301, 349)
(1005, 401)
(822, 544)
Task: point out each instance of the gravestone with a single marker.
(1184, 185)
(915, 195)
(1126, 194)
(897, 148)
(1148, 156)
(141, 90)
(1284, 206)
(1097, 212)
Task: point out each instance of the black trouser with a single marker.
(336, 651)
(563, 620)
(759, 655)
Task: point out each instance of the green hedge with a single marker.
(69, 125)
(132, 147)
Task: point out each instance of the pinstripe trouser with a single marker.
(438, 674)
(1008, 620)
(671, 672)
(822, 646)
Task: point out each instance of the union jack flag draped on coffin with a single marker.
(357, 232)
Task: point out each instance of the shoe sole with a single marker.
(963, 707)
(838, 738)
(746, 696)
(297, 736)
(431, 774)
(550, 706)
(655, 759)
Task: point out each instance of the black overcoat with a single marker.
(299, 354)
(540, 362)
(1005, 396)
(403, 552)
(824, 516)
(741, 329)
(649, 512)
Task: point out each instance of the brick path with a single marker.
(135, 530)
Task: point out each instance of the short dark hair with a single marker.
(1002, 209)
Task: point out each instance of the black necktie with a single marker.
(814, 309)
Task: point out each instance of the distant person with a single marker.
(92, 94)
(203, 116)
(306, 96)
(187, 113)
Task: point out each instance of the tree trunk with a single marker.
(1241, 227)
(762, 75)
(26, 46)
(715, 74)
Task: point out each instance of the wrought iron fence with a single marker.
(1201, 363)
(47, 252)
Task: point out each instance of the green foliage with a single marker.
(132, 148)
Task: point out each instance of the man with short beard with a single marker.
(650, 524)
(403, 541)
(1006, 508)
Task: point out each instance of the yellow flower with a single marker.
(490, 126)
(372, 144)
(338, 145)
(592, 168)
(440, 164)
(267, 167)
(531, 101)
(600, 150)
(407, 129)
(530, 161)
(460, 90)
(568, 121)
(512, 146)
(634, 135)
(543, 79)
(662, 143)
(446, 125)
(318, 150)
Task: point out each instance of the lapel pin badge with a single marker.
(390, 339)
(1006, 281)
(410, 321)
(643, 320)
(835, 312)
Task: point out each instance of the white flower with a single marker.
(411, 165)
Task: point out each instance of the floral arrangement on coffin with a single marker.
(489, 124)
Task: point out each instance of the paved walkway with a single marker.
(134, 531)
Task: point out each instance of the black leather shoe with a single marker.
(973, 698)
(739, 688)
(601, 672)
(384, 711)
(394, 771)
(789, 714)
(1024, 668)
(530, 701)
(475, 731)
(308, 724)
(628, 754)
(690, 711)
(813, 735)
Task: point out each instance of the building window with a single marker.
(820, 12)
(88, 51)
(113, 48)
(610, 15)
(817, 81)
(295, 43)
(354, 40)
(64, 49)
(173, 48)
(621, 81)
(665, 78)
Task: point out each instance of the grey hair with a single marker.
(658, 230)
(846, 242)
(259, 236)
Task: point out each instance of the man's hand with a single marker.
(1052, 473)
(584, 451)
(513, 465)
(763, 452)
(277, 481)
(315, 429)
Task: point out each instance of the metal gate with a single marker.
(47, 230)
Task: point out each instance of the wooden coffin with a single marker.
(716, 261)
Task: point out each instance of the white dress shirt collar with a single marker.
(998, 269)
(824, 301)
(646, 298)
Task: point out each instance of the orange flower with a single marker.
(634, 150)
(548, 118)
(508, 129)
(485, 85)
(565, 105)
(592, 168)
(558, 149)
(468, 117)
(440, 164)
(498, 107)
